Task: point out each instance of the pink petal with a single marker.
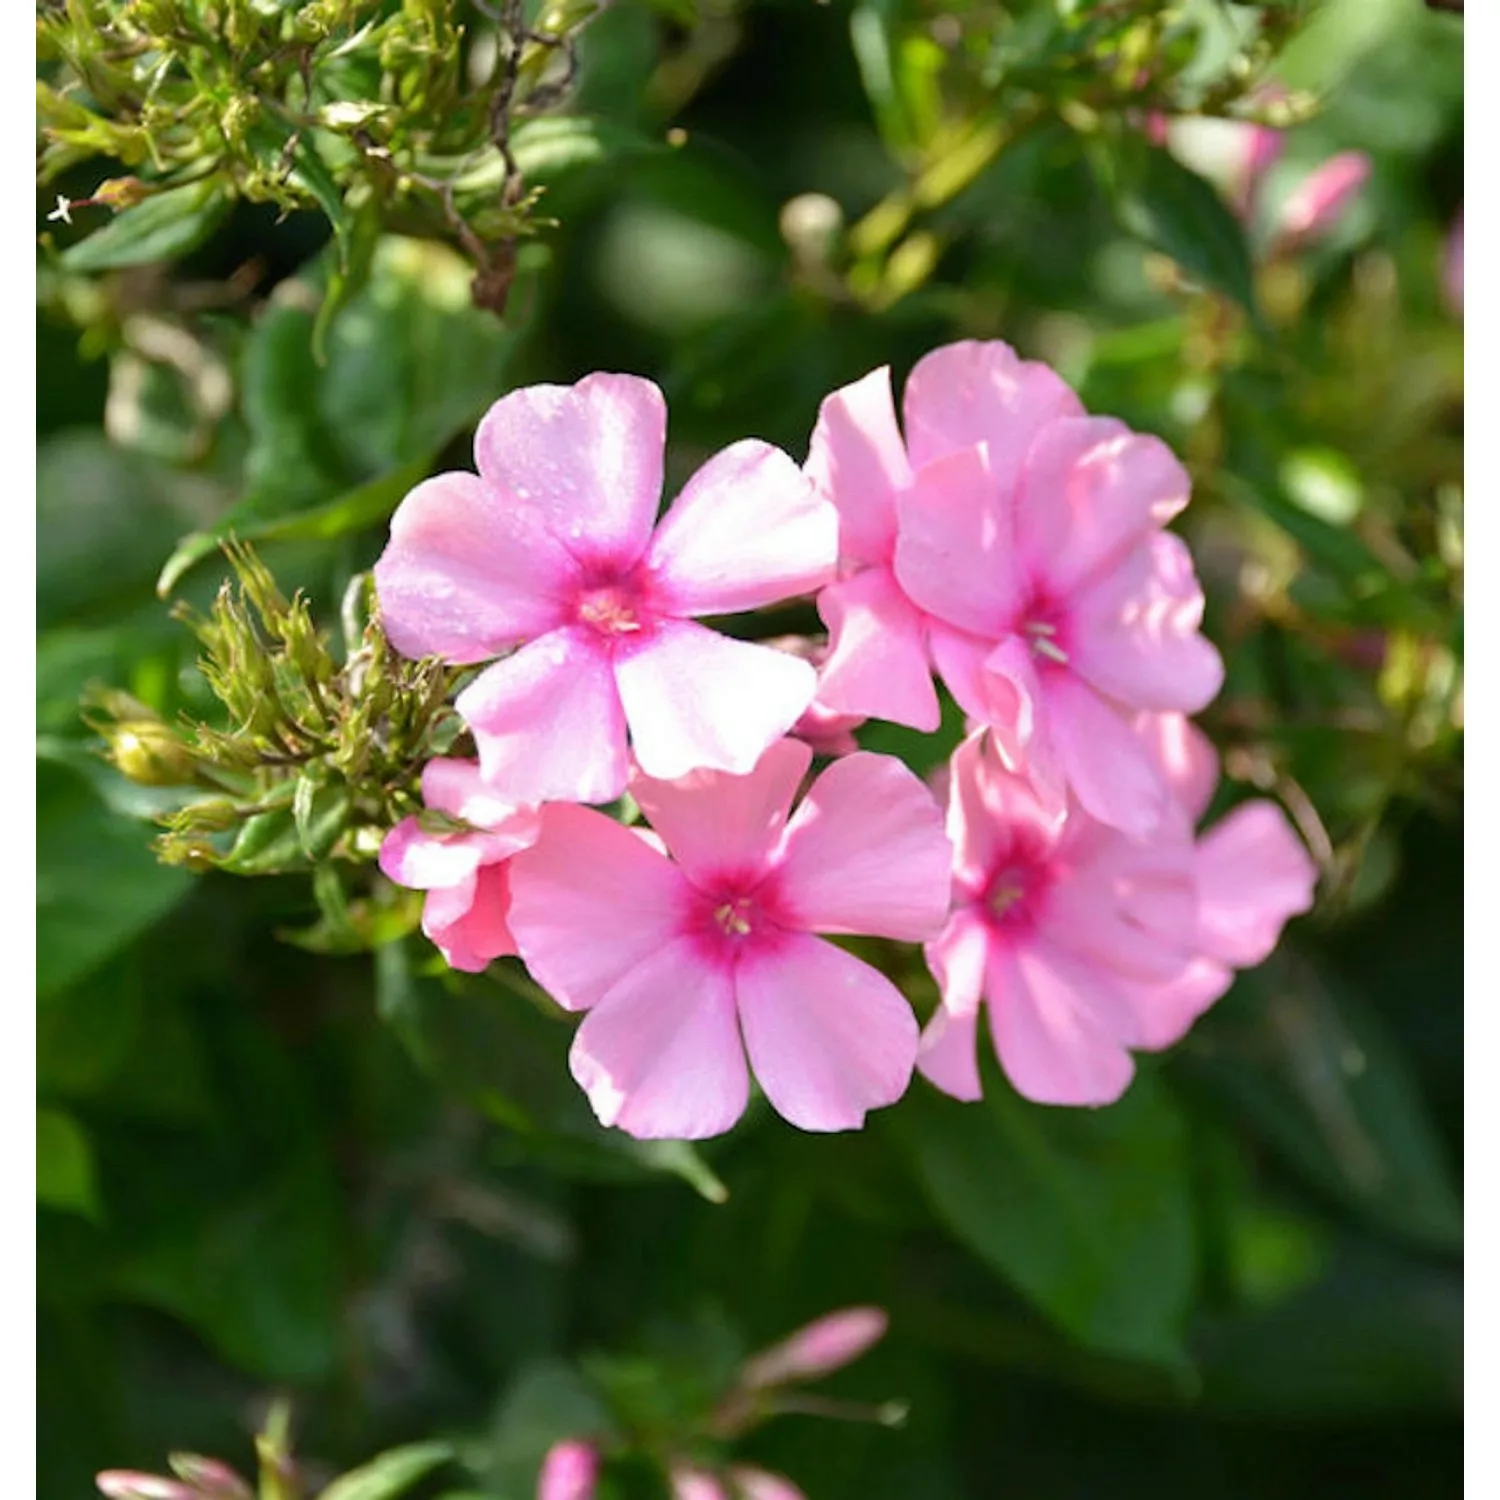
(694, 698)
(877, 652)
(660, 1054)
(587, 456)
(1092, 489)
(714, 822)
(696, 1484)
(457, 787)
(469, 924)
(590, 902)
(760, 1484)
(857, 459)
(866, 853)
(948, 1055)
(424, 861)
(955, 550)
(823, 1346)
(548, 722)
(1253, 874)
(993, 811)
(1322, 198)
(467, 573)
(1107, 767)
(570, 1471)
(959, 660)
(1165, 1010)
(1185, 756)
(828, 1036)
(1055, 1022)
(1009, 690)
(747, 530)
(1135, 633)
(969, 393)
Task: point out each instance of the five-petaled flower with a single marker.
(686, 963)
(550, 548)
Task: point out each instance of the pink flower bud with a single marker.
(1321, 198)
(760, 1484)
(570, 1471)
(210, 1479)
(127, 1484)
(696, 1484)
(818, 1349)
(1453, 265)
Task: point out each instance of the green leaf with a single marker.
(553, 147)
(64, 1165)
(389, 1475)
(98, 883)
(1160, 202)
(1085, 1212)
(334, 448)
(163, 227)
(1313, 1070)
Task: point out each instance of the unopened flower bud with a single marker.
(126, 1484)
(147, 752)
(121, 192)
(210, 1478)
(570, 1471)
(1322, 198)
(810, 225)
(821, 1347)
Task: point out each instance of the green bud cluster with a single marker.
(351, 108)
(316, 759)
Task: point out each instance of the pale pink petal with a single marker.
(748, 1483)
(969, 393)
(1165, 1010)
(714, 822)
(955, 549)
(948, 1055)
(467, 574)
(823, 1346)
(587, 456)
(828, 1036)
(1009, 688)
(866, 853)
(696, 1484)
(1186, 757)
(994, 813)
(959, 660)
(458, 787)
(857, 459)
(424, 861)
(1135, 636)
(877, 652)
(1092, 489)
(570, 1471)
(548, 722)
(129, 1484)
(1322, 198)
(470, 926)
(1253, 875)
(660, 1055)
(1056, 1023)
(747, 530)
(694, 698)
(1109, 770)
(589, 902)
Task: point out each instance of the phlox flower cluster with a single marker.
(998, 541)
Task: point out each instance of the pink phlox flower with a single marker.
(1082, 944)
(550, 553)
(570, 1471)
(881, 640)
(463, 869)
(1033, 534)
(821, 1347)
(686, 963)
(1320, 200)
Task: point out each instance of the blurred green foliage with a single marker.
(372, 1185)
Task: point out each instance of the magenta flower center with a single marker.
(735, 913)
(1010, 899)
